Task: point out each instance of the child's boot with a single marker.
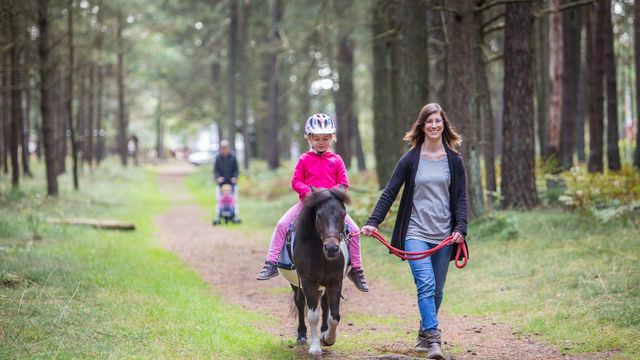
(357, 276)
(268, 271)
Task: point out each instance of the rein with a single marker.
(418, 255)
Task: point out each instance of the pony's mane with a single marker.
(305, 222)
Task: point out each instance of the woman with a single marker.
(433, 206)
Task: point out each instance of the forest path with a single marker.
(229, 261)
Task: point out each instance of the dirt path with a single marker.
(230, 262)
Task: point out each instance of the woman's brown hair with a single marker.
(415, 136)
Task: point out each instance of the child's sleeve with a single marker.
(297, 181)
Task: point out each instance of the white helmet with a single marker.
(319, 124)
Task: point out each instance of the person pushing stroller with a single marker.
(225, 172)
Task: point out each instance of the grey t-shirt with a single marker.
(430, 214)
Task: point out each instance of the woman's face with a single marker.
(433, 127)
(320, 143)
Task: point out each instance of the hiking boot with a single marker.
(357, 276)
(268, 271)
(429, 342)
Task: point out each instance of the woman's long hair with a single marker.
(415, 136)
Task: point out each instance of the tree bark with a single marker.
(244, 79)
(231, 84)
(595, 74)
(26, 124)
(437, 50)
(415, 53)
(100, 146)
(636, 47)
(122, 125)
(344, 97)
(69, 102)
(571, 29)
(16, 107)
(484, 111)
(89, 132)
(45, 83)
(613, 151)
(518, 149)
(273, 157)
(554, 108)
(460, 27)
(541, 51)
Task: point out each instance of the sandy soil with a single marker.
(229, 261)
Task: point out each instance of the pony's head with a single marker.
(323, 217)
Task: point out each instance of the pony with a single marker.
(321, 259)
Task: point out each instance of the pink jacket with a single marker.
(325, 171)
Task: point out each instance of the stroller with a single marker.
(227, 207)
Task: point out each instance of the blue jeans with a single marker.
(429, 274)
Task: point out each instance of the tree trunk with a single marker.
(159, 129)
(518, 149)
(26, 124)
(89, 132)
(484, 111)
(582, 107)
(415, 39)
(244, 79)
(555, 85)
(216, 70)
(273, 157)
(362, 164)
(613, 152)
(122, 125)
(45, 83)
(571, 29)
(16, 107)
(595, 74)
(69, 102)
(460, 28)
(636, 47)
(100, 146)
(344, 97)
(383, 125)
(437, 50)
(231, 85)
(541, 51)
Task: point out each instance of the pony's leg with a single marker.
(313, 305)
(325, 313)
(333, 298)
(298, 298)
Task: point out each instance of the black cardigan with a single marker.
(405, 173)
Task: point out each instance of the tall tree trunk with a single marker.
(273, 157)
(613, 152)
(484, 110)
(518, 149)
(122, 125)
(16, 108)
(233, 58)
(4, 117)
(384, 127)
(541, 27)
(582, 107)
(362, 164)
(415, 39)
(26, 124)
(460, 27)
(344, 98)
(555, 84)
(636, 47)
(437, 51)
(45, 83)
(244, 79)
(571, 29)
(595, 74)
(100, 146)
(69, 102)
(216, 71)
(159, 129)
(88, 149)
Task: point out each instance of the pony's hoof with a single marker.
(324, 341)
(301, 341)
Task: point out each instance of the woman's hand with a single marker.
(457, 237)
(368, 230)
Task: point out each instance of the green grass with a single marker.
(74, 292)
(570, 278)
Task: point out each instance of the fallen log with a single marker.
(97, 223)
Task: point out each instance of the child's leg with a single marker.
(354, 244)
(280, 232)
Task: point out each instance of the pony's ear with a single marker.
(313, 188)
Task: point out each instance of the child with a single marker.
(320, 168)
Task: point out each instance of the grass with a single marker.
(569, 278)
(73, 292)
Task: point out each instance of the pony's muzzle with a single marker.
(331, 250)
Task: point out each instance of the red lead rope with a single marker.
(418, 255)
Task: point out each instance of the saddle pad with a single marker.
(285, 261)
